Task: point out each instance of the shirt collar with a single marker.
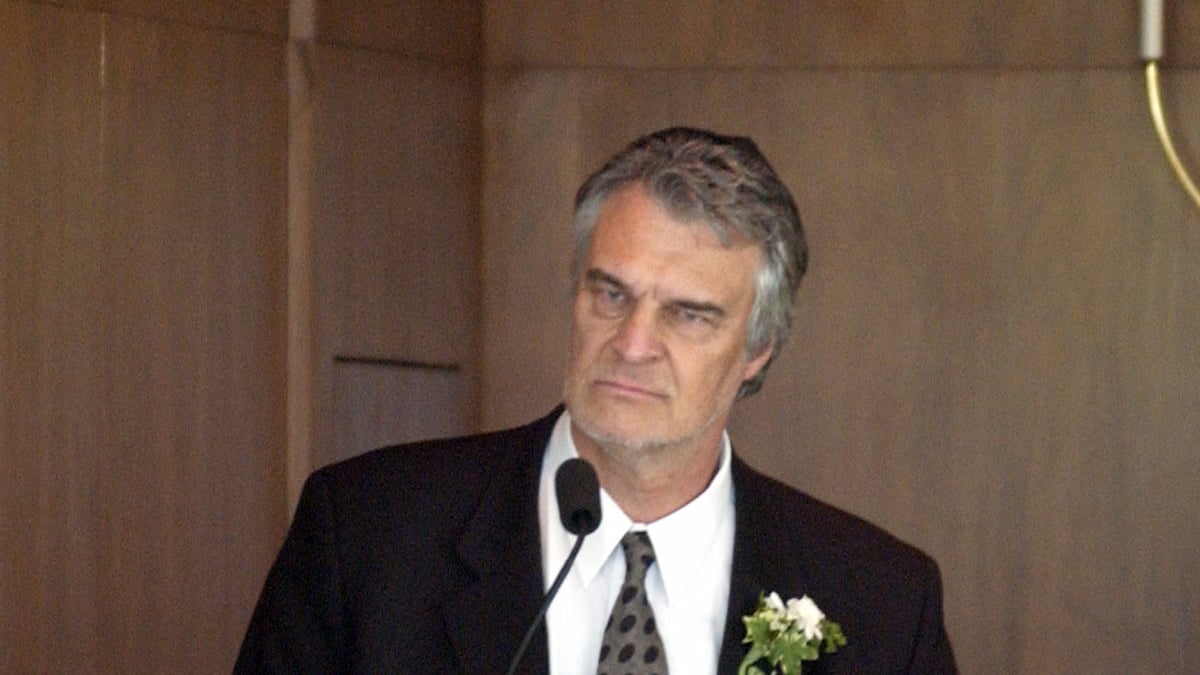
(682, 540)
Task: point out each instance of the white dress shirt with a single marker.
(688, 587)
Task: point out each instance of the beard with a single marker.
(654, 436)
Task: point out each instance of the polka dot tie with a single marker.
(631, 644)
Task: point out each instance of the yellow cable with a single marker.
(1160, 125)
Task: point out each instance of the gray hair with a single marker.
(725, 182)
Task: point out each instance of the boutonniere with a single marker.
(783, 635)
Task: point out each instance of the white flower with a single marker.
(779, 617)
(806, 613)
(782, 635)
(775, 602)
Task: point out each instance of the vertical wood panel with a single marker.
(51, 180)
(395, 216)
(301, 265)
(195, 210)
(529, 184)
(143, 338)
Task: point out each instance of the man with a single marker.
(434, 557)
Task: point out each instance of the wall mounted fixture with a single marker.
(1151, 52)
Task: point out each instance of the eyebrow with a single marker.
(714, 310)
(594, 275)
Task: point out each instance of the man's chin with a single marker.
(612, 429)
(625, 443)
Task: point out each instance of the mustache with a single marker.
(631, 376)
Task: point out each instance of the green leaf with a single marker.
(833, 637)
(747, 666)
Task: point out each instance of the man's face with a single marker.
(658, 341)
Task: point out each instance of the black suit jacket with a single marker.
(426, 558)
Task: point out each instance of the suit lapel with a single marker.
(764, 560)
(502, 548)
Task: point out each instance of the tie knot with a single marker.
(639, 553)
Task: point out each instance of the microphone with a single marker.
(578, 493)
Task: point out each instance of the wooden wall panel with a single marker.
(379, 404)
(49, 183)
(395, 216)
(194, 198)
(997, 357)
(999, 341)
(827, 33)
(529, 183)
(442, 31)
(259, 16)
(143, 339)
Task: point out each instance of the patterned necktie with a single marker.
(631, 641)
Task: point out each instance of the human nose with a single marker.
(637, 337)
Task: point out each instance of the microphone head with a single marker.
(578, 493)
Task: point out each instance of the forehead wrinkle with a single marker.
(682, 269)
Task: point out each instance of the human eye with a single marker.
(693, 321)
(690, 316)
(608, 299)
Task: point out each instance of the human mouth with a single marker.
(627, 389)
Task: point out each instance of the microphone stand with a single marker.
(558, 580)
(578, 494)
